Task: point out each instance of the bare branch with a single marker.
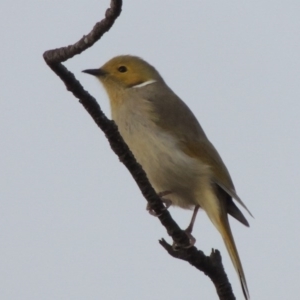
(62, 54)
(210, 265)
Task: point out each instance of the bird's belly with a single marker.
(166, 165)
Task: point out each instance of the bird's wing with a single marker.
(206, 152)
(185, 127)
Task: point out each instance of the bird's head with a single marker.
(126, 71)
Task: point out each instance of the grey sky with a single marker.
(69, 209)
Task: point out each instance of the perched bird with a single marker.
(167, 140)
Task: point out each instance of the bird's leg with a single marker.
(167, 203)
(189, 230)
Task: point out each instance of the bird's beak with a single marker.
(95, 72)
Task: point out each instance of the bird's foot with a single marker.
(188, 232)
(167, 203)
(177, 247)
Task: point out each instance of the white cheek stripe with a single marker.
(144, 83)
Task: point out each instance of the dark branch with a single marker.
(62, 54)
(210, 265)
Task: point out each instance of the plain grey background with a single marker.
(68, 207)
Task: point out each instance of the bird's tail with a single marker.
(224, 228)
(215, 207)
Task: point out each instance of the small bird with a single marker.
(168, 141)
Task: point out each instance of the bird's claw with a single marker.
(167, 203)
(192, 240)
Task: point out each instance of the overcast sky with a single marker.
(73, 223)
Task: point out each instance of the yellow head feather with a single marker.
(127, 71)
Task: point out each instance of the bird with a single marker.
(168, 141)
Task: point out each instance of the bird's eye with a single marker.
(122, 69)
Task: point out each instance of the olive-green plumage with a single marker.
(167, 140)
